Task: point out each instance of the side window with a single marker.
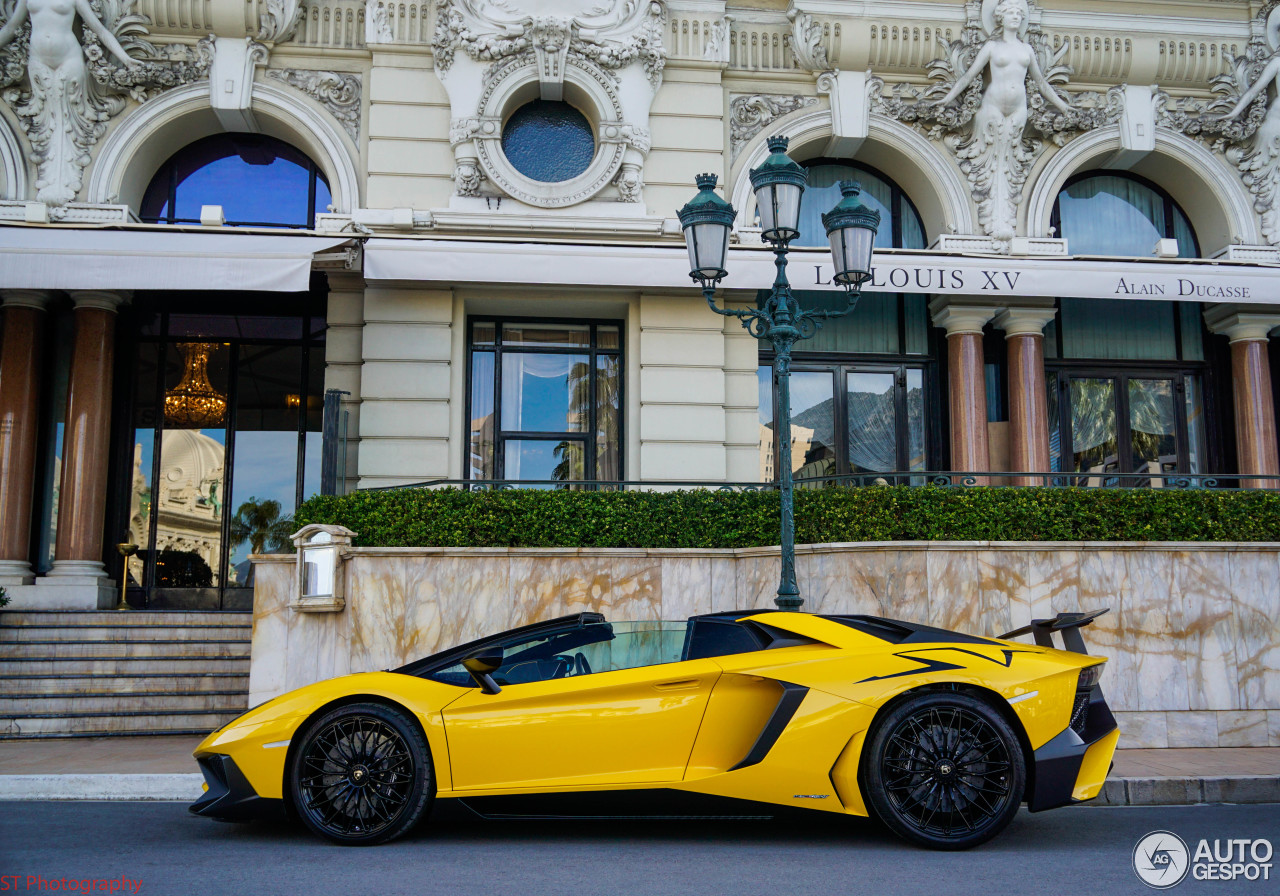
(634, 645)
(712, 638)
(538, 658)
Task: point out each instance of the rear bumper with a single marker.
(1072, 767)
(228, 795)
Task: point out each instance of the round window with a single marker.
(548, 141)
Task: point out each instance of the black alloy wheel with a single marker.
(945, 770)
(362, 775)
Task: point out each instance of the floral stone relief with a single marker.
(485, 48)
(338, 92)
(67, 89)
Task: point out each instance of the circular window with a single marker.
(548, 142)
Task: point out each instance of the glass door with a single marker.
(1114, 427)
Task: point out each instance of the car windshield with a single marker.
(578, 650)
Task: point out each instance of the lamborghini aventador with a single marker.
(940, 735)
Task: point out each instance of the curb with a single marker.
(1189, 791)
(184, 787)
(1173, 791)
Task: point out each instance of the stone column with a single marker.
(20, 356)
(966, 382)
(1028, 401)
(78, 573)
(1256, 449)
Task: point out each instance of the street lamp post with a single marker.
(707, 221)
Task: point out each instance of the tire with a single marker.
(362, 775)
(944, 770)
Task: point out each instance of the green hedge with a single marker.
(713, 519)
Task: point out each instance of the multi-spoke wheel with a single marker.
(361, 775)
(944, 770)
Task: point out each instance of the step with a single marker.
(113, 617)
(97, 724)
(139, 649)
(121, 665)
(155, 682)
(132, 633)
(147, 701)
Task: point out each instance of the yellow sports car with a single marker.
(940, 735)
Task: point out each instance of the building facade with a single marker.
(457, 219)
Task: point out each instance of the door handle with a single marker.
(682, 684)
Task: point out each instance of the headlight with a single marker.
(1089, 677)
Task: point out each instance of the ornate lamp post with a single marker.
(851, 227)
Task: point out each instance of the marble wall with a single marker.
(1193, 636)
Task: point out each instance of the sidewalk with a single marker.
(161, 768)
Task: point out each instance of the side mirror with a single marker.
(481, 665)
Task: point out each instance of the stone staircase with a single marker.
(95, 674)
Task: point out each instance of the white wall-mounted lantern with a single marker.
(321, 568)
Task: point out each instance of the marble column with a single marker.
(20, 357)
(966, 382)
(78, 571)
(1256, 450)
(1028, 400)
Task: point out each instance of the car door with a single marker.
(631, 725)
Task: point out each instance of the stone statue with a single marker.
(1259, 164)
(996, 156)
(66, 114)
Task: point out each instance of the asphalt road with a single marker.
(1076, 851)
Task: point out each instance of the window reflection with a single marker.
(257, 180)
(541, 394)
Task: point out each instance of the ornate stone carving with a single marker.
(467, 177)
(338, 92)
(630, 183)
(1243, 119)
(807, 43)
(987, 71)
(377, 27)
(611, 33)
(73, 89)
(717, 46)
(279, 20)
(486, 51)
(748, 115)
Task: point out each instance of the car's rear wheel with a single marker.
(361, 775)
(945, 770)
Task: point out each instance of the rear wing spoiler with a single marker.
(1067, 623)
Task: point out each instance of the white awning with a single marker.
(65, 258)
(999, 278)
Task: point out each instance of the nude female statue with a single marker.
(65, 114)
(1261, 163)
(994, 154)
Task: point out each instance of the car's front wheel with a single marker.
(945, 770)
(361, 775)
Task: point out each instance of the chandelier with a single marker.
(194, 403)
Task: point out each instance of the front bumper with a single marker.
(1073, 766)
(229, 796)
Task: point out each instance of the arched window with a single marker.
(1110, 213)
(258, 181)
(900, 226)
